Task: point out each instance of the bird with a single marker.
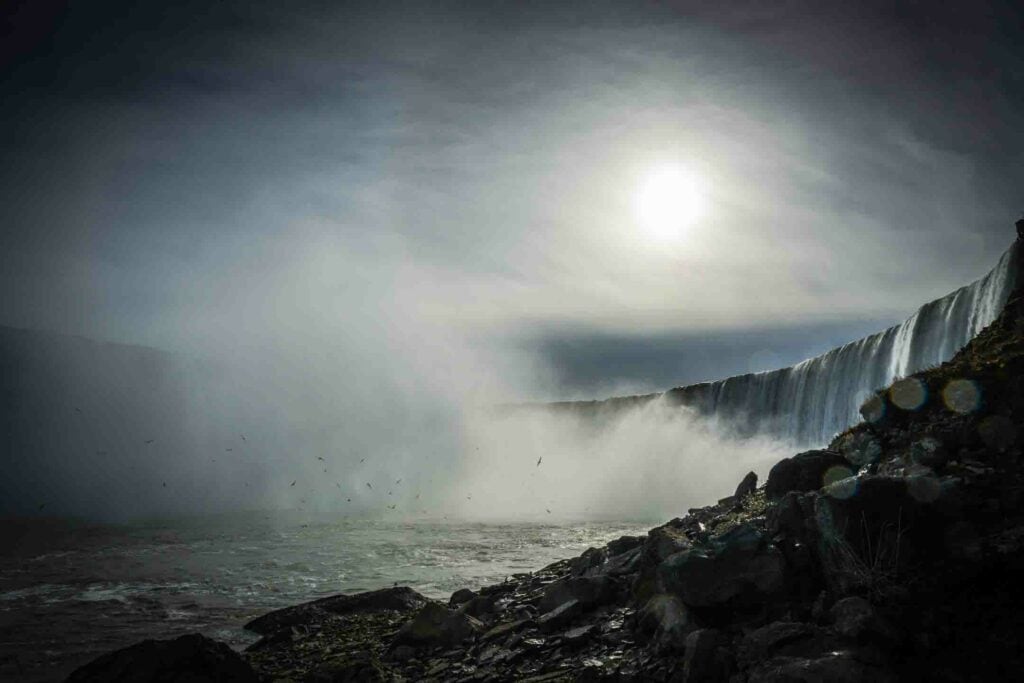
(391, 507)
(319, 458)
(229, 449)
(77, 409)
(539, 459)
(338, 485)
(293, 483)
(325, 470)
(389, 493)
(469, 497)
(348, 500)
(398, 481)
(368, 485)
(549, 511)
(362, 459)
(243, 436)
(165, 484)
(417, 496)
(42, 505)
(150, 440)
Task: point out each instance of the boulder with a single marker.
(666, 622)
(588, 591)
(779, 638)
(706, 659)
(746, 487)
(193, 659)
(461, 596)
(352, 666)
(855, 618)
(399, 599)
(740, 567)
(479, 606)
(860, 448)
(803, 472)
(624, 544)
(436, 625)
(560, 616)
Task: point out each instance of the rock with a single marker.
(590, 559)
(588, 591)
(460, 596)
(662, 542)
(803, 472)
(560, 616)
(625, 544)
(400, 599)
(929, 452)
(579, 634)
(740, 566)
(666, 621)
(193, 658)
(354, 666)
(746, 487)
(436, 625)
(833, 667)
(855, 618)
(779, 638)
(478, 606)
(860, 448)
(706, 660)
(507, 628)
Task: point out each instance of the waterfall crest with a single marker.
(811, 401)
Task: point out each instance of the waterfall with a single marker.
(811, 401)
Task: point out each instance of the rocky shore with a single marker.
(894, 554)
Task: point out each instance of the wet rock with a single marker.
(855, 618)
(665, 621)
(400, 598)
(661, 543)
(860, 448)
(479, 606)
(929, 452)
(560, 616)
(591, 558)
(747, 486)
(461, 596)
(436, 625)
(741, 566)
(624, 544)
(588, 591)
(833, 667)
(193, 659)
(802, 472)
(579, 634)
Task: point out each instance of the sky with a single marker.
(423, 205)
(174, 173)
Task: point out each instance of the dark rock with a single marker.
(803, 472)
(747, 486)
(478, 607)
(779, 638)
(460, 596)
(399, 599)
(666, 621)
(590, 559)
(355, 666)
(588, 591)
(578, 634)
(507, 628)
(436, 625)
(193, 658)
(741, 566)
(855, 618)
(560, 616)
(833, 667)
(860, 448)
(706, 660)
(624, 544)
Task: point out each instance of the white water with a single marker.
(810, 402)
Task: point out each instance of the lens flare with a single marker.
(909, 394)
(962, 396)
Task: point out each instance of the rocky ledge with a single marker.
(894, 554)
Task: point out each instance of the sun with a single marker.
(670, 199)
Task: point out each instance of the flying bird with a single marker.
(549, 511)
(362, 459)
(391, 507)
(389, 493)
(229, 449)
(319, 458)
(348, 500)
(398, 481)
(325, 470)
(165, 484)
(368, 485)
(150, 440)
(293, 483)
(243, 436)
(338, 485)
(77, 409)
(539, 459)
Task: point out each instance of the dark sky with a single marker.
(399, 187)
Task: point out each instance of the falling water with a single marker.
(811, 401)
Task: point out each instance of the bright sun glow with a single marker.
(670, 200)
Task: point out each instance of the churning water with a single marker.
(68, 594)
